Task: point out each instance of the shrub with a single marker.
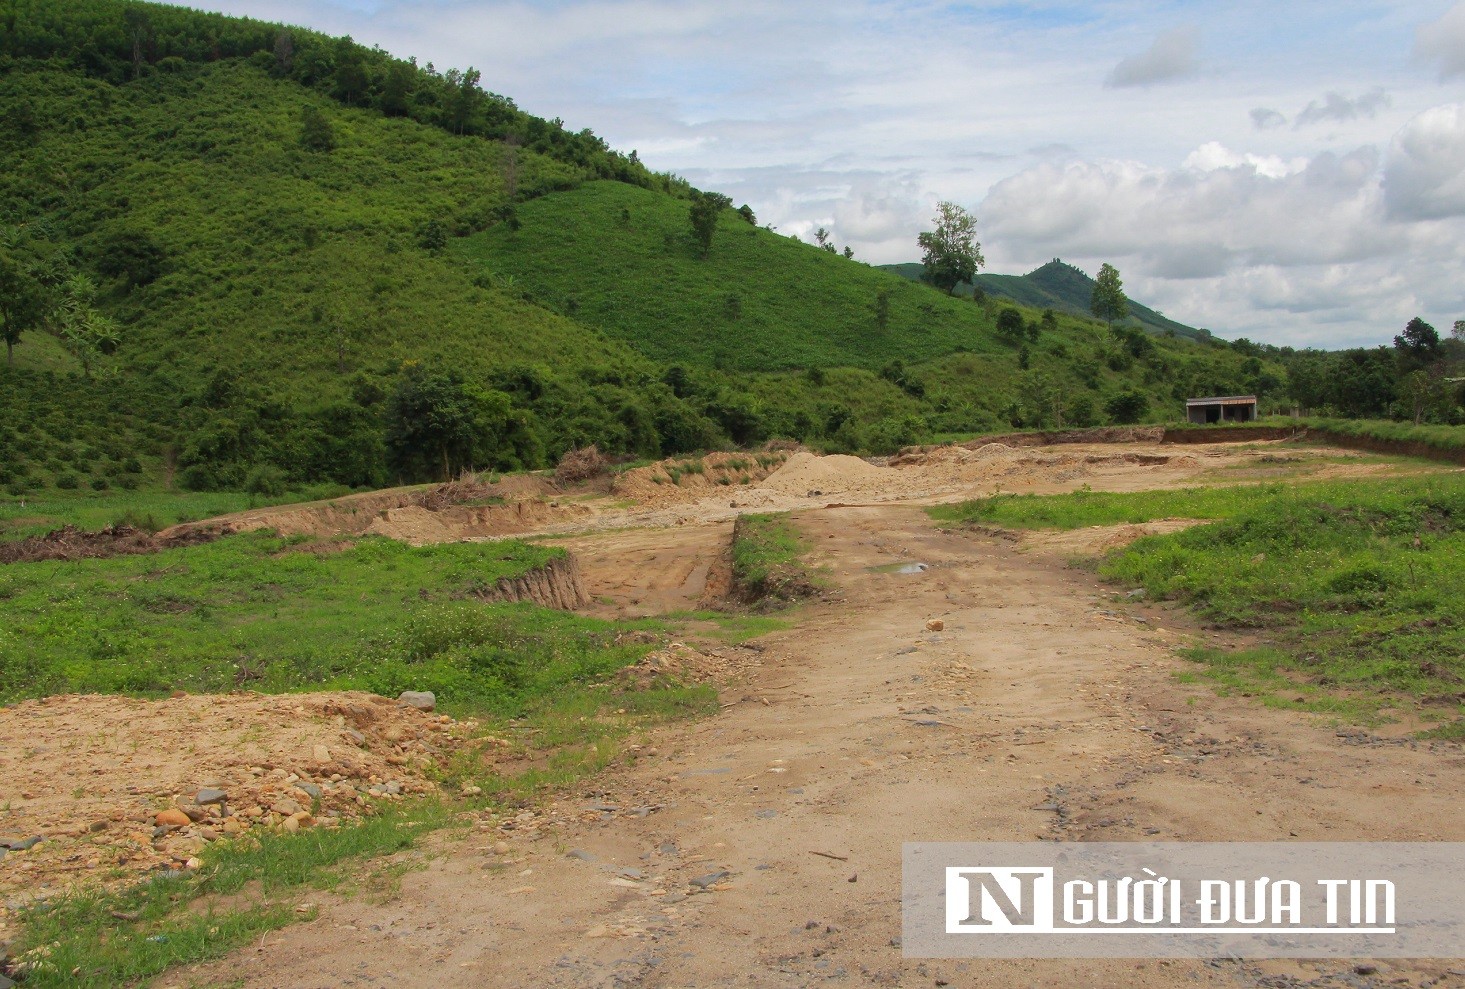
(580, 464)
(68, 481)
(267, 480)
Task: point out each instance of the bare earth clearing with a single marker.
(770, 853)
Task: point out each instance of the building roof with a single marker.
(1222, 400)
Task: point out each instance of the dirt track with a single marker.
(857, 731)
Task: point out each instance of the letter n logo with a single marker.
(996, 900)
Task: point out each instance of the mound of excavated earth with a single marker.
(111, 786)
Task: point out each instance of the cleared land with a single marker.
(1049, 705)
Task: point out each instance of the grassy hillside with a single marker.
(1060, 287)
(624, 259)
(303, 277)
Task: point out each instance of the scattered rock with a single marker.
(1138, 594)
(935, 625)
(320, 754)
(23, 844)
(286, 807)
(501, 848)
(172, 818)
(309, 789)
(580, 854)
(208, 795)
(423, 700)
(711, 879)
(194, 811)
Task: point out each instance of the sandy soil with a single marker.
(1042, 710)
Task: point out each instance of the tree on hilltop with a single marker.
(950, 253)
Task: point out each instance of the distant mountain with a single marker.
(1058, 286)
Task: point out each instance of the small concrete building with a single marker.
(1225, 408)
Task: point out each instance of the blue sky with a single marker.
(1292, 172)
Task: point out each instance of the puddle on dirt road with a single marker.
(906, 568)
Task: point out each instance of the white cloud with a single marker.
(1337, 107)
(1172, 56)
(1221, 210)
(1443, 41)
(1425, 178)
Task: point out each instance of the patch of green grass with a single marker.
(1356, 582)
(731, 628)
(1271, 676)
(766, 552)
(263, 612)
(145, 509)
(104, 940)
(575, 732)
(1079, 509)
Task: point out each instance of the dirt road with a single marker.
(762, 847)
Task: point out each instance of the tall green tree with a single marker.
(950, 253)
(706, 208)
(23, 303)
(1108, 301)
(1418, 346)
(1009, 325)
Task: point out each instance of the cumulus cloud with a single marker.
(1425, 176)
(1265, 118)
(1220, 211)
(1337, 107)
(1172, 56)
(1443, 41)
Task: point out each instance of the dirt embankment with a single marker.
(1103, 434)
(71, 543)
(557, 584)
(680, 480)
(466, 507)
(1401, 448)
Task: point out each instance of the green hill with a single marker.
(1060, 287)
(269, 258)
(624, 260)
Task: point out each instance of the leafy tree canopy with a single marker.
(950, 253)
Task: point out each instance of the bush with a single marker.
(100, 484)
(580, 464)
(267, 480)
(1127, 407)
(68, 481)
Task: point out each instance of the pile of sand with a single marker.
(805, 473)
